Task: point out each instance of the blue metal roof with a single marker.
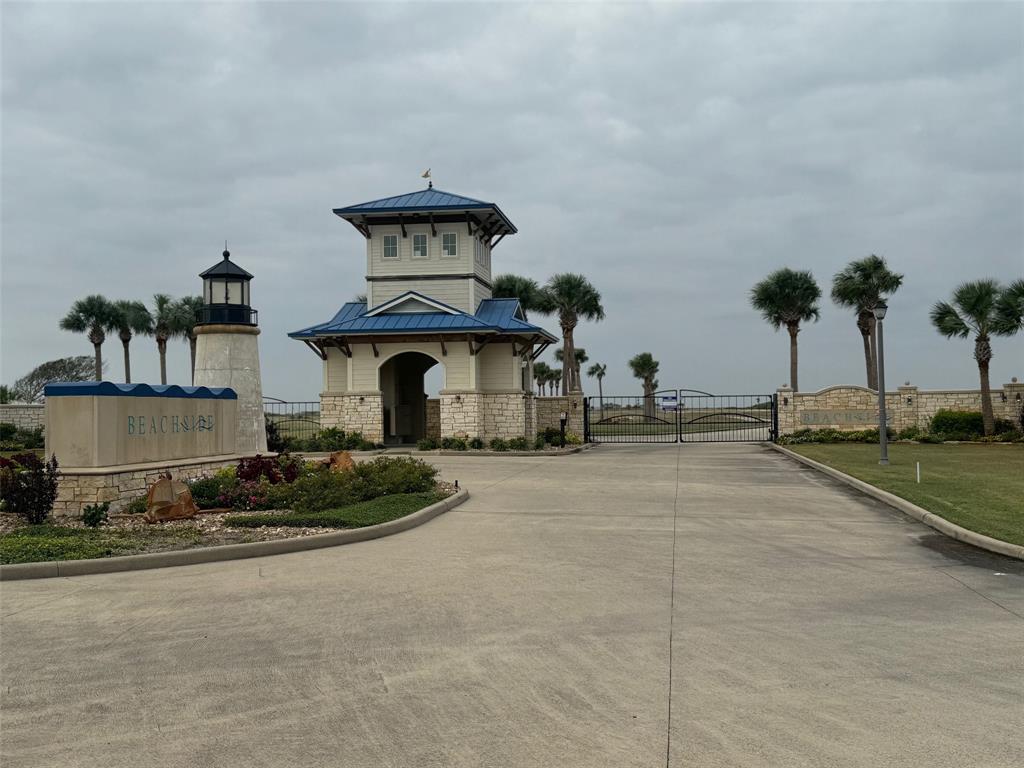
(422, 201)
(493, 316)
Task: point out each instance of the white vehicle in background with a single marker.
(669, 403)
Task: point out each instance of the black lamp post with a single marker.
(883, 437)
(226, 295)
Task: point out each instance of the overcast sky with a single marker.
(673, 153)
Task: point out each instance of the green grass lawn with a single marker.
(979, 487)
(39, 543)
(380, 510)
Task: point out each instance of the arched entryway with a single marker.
(404, 398)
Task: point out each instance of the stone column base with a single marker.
(354, 412)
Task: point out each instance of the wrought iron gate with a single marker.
(681, 416)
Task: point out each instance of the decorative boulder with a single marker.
(341, 461)
(169, 500)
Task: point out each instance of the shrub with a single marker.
(520, 444)
(387, 475)
(7, 431)
(136, 506)
(246, 495)
(552, 436)
(252, 469)
(28, 486)
(206, 492)
(571, 438)
(275, 441)
(454, 444)
(14, 438)
(538, 443)
(227, 474)
(498, 444)
(291, 467)
(829, 435)
(322, 490)
(94, 515)
(476, 443)
(351, 516)
(960, 423)
(910, 433)
(427, 444)
(31, 438)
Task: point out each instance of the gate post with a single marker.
(586, 419)
(775, 418)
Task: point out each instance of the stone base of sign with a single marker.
(81, 486)
(855, 408)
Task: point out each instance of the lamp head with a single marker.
(880, 309)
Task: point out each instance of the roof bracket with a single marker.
(444, 348)
(495, 243)
(475, 350)
(433, 229)
(376, 352)
(401, 223)
(317, 349)
(469, 224)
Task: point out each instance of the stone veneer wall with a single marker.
(549, 411)
(460, 414)
(908, 406)
(23, 415)
(121, 485)
(433, 428)
(354, 412)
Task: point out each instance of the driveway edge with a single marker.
(940, 524)
(55, 568)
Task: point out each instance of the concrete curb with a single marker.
(54, 568)
(940, 524)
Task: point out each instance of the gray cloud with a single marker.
(673, 152)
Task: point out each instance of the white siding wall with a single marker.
(457, 363)
(335, 371)
(455, 292)
(405, 264)
(499, 370)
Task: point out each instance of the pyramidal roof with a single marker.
(429, 200)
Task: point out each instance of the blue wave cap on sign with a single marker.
(113, 389)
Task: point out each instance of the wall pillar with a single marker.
(354, 412)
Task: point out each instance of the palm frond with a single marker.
(947, 321)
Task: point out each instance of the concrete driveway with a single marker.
(692, 605)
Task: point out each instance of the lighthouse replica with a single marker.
(227, 348)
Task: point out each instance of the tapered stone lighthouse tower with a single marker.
(227, 348)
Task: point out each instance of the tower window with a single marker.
(449, 244)
(390, 246)
(419, 246)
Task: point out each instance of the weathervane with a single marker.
(426, 175)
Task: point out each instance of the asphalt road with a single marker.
(693, 605)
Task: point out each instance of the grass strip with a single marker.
(373, 512)
(42, 543)
(978, 487)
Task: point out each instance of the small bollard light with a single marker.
(563, 417)
(456, 485)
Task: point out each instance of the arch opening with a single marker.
(404, 397)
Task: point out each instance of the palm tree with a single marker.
(166, 325)
(978, 308)
(129, 318)
(860, 286)
(581, 358)
(787, 298)
(553, 379)
(188, 318)
(91, 315)
(1010, 309)
(597, 371)
(541, 372)
(516, 287)
(571, 297)
(645, 367)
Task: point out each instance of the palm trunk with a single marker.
(600, 392)
(864, 326)
(569, 354)
(127, 362)
(161, 345)
(983, 354)
(99, 361)
(192, 339)
(794, 329)
(648, 399)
